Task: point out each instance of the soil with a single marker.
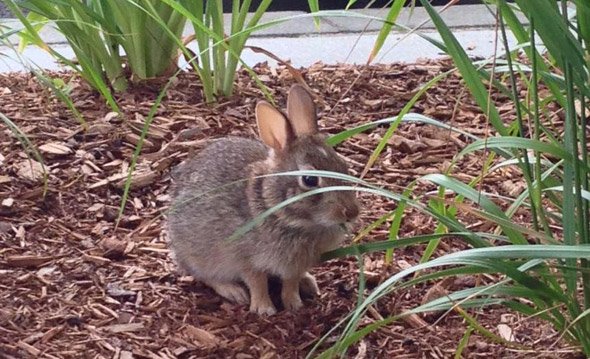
(73, 284)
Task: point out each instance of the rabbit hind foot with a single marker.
(308, 286)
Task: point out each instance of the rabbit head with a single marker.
(296, 144)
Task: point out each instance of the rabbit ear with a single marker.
(273, 127)
(301, 111)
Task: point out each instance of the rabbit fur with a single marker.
(288, 242)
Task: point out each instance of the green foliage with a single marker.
(218, 52)
(392, 15)
(148, 31)
(547, 261)
(220, 44)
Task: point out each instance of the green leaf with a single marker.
(477, 197)
(512, 142)
(410, 117)
(467, 70)
(390, 19)
(560, 42)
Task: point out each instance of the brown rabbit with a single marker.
(288, 242)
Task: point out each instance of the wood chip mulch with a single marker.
(72, 285)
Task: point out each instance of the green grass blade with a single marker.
(467, 69)
(476, 196)
(463, 343)
(556, 36)
(364, 248)
(27, 146)
(569, 201)
(314, 6)
(60, 94)
(522, 36)
(510, 142)
(583, 16)
(390, 19)
(397, 221)
(410, 117)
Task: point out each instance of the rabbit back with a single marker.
(207, 208)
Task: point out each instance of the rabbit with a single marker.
(285, 244)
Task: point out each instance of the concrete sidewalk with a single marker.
(339, 39)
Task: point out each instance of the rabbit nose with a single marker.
(351, 212)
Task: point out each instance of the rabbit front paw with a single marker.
(292, 302)
(262, 306)
(260, 302)
(290, 294)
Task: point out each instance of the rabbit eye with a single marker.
(310, 181)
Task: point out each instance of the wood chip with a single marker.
(114, 290)
(27, 260)
(111, 117)
(505, 332)
(51, 333)
(30, 169)
(416, 322)
(56, 148)
(8, 202)
(438, 290)
(201, 336)
(134, 140)
(123, 328)
(362, 350)
(113, 247)
(405, 145)
(96, 259)
(139, 179)
(434, 143)
(28, 348)
(153, 131)
(100, 129)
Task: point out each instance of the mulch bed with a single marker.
(74, 285)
